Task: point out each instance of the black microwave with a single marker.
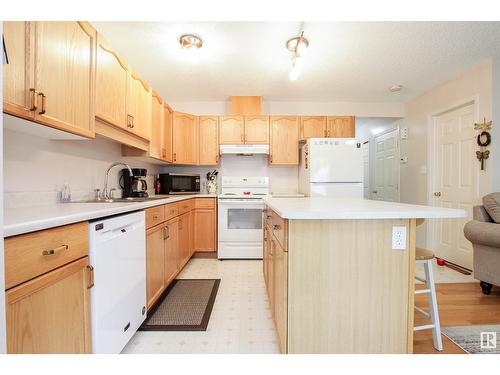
(179, 183)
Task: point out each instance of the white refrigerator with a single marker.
(331, 167)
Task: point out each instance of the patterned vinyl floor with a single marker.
(241, 320)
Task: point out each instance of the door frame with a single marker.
(371, 158)
(432, 152)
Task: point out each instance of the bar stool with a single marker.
(426, 257)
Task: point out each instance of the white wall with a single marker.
(495, 131)
(367, 127)
(475, 84)
(298, 108)
(281, 179)
(37, 165)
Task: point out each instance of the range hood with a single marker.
(245, 150)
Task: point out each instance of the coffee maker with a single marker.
(134, 186)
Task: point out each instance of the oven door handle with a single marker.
(250, 205)
(247, 202)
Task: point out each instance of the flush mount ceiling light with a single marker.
(298, 47)
(395, 88)
(190, 42)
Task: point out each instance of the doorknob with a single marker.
(437, 193)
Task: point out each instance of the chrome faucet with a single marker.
(105, 192)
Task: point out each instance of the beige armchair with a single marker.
(484, 234)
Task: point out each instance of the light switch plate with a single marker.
(398, 238)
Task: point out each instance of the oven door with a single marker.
(241, 220)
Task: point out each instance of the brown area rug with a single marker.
(186, 305)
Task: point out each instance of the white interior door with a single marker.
(385, 166)
(456, 179)
(365, 147)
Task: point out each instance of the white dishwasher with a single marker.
(118, 298)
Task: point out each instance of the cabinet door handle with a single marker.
(43, 103)
(51, 252)
(166, 233)
(326, 133)
(33, 99)
(132, 122)
(90, 270)
(175, 156)
(217, 159)
(276, 227)
(270, 158)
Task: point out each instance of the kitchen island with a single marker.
(336, 281)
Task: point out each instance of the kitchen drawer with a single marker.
(185, 206)
(33, 254)
(171, 210)
(204, 203)
(155, 216)
(280, 229)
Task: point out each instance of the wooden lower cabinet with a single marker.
(280, 274)
(51, 313)
(155, 261)
(172, 252)
(171, 239)
(205, 224)
(275, 267)
(184, 238)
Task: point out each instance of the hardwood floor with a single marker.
(459, 305)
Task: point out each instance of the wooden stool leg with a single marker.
(434, 313)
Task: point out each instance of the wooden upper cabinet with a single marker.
(139, 106)
(156, 140)
(185, 138)
(341, 127)
(209, 140)
(64, 76)
(284, 140)
(51, 313)
(59, 92)
(256, 129)
(312, 127)
(111, 85)
(232, 130)
(167, 150)
(17, 77)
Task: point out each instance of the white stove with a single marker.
(241, 217)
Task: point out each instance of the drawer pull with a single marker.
(91, 276)
(48, 253)
(155, 217)
(276, 227)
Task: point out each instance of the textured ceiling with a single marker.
(346, 61)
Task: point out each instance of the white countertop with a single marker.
(28, 219)
(335, 208)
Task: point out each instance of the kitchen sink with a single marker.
(121, 200)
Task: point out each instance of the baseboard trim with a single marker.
(205, 255)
